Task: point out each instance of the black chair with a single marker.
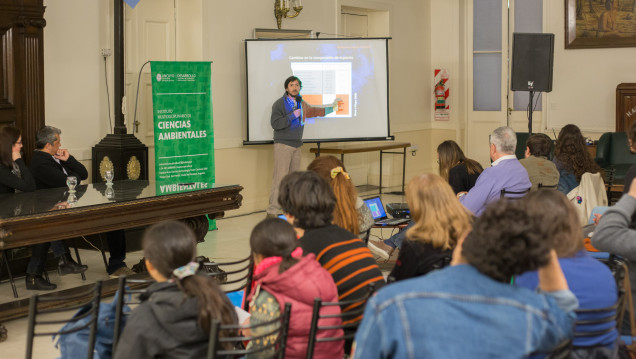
(4, 260)
(503, 193)
(128, 291)
(40, 305)
(587, 319)
(618, 267)
(541, 185)
(217, 343)
(350, 320)
(237, 277)
(561, 351)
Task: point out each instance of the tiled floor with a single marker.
(230, 241)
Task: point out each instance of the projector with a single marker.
(398, 210)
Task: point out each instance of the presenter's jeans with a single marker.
(286, 160)
(38, 255)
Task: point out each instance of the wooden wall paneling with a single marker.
(22, 68)
(625, 106)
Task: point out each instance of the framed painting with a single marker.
(600, 23)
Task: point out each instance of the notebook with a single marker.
(379, 215)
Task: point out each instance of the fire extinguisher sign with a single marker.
(440, 94)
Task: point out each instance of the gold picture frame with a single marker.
(600, 24)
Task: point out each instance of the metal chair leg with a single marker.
(101, 248)
(11, 280)
(79, 260)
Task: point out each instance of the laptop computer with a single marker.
(379, 215)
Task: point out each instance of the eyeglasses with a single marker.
(18, 142)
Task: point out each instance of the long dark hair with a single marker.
(8, 137)
(451, 155)
(274, 237)
(571, 152)
(170, 245)
(345, 214)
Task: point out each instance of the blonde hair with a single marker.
(438, 216)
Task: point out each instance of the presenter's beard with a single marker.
(293, 93)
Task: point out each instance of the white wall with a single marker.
(585, 80)
(74, 83)
(426, 34)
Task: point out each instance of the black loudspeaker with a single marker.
(532, 59)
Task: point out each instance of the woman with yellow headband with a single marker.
(350, 213)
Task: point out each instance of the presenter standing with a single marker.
(288, 121)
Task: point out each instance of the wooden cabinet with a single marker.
(22, 68)
(625, 106)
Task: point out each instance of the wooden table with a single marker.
(383, 148)
(139, 204)
(45, 215)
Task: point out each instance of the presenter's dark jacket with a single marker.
(50, 174)
(288, 129)
(9, 182)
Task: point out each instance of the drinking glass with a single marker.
(71, 182)
(110, 192)
(109, 175)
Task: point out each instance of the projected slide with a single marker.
(354, 71)
(323, 82)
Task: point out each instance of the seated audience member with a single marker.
(615, 235)
(505, 173)
(50, 167)
(540, 169)
(590, 280)
(460, 172)
(308, 203)
(282, 276)
(572, 158)
(14, 174)
(438, 222)
(350, 213)
(470, 310)
(173, 320)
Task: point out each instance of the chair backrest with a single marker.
(618, 267)
(541, 185)
(561, 351)
(603, 150)
(594, 323)
(128, 290)
(520, 151)
(272, 348)
(519, 194)
(350, 320)
(42, 305)
(232, 276)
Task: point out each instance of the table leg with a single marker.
(381, 153)
(403, 169)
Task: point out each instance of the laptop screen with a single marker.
(376, 207)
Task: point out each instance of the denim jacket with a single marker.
(458, 312)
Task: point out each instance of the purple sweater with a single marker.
(508, 174)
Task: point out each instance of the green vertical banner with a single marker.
(184, 138)
(184, 134)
